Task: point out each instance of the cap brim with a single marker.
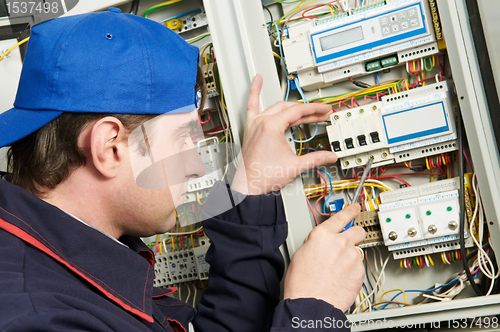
(17, 123)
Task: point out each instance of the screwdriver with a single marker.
(368, 166)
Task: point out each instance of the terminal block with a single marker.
(370, 222)
(211, 74)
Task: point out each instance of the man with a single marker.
(70, 220)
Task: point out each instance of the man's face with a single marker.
(163, 158)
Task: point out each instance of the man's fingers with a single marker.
(312, 119)
(357, 234)
(253, 97)
(316, 159)
(299, 111)
(337, 223)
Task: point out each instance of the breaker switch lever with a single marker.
(361, 140)
(348, 143)
(375, 137)
(336, 146)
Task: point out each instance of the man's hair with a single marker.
(47, 157)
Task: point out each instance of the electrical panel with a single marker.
(404, 126)
(364, 40)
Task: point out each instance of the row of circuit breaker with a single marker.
(421, 219)
(180, 266)
(404, 126)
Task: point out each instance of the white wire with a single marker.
(196, 37)
(189, 294)
(478, 210)
(194, 296)
(186, 233)
(179, 290)
(379, 279)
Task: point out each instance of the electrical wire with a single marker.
(159, 6)
(13, 47)
(462, 204)
(197, 38)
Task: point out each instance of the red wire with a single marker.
(324, 180)
(355, 101)
(393, 177)
(316, 207)
(325, 4)
(204, 122)
(314, 215)
(214, 129)
(421, 262)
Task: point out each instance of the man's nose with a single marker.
(194, 165)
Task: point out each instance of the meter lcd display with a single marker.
(341, 38)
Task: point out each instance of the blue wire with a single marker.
(282, 60)
(331, 189)
(186, 13)
(378, 78)
(420, 291)
(307, 148)
(299, 89)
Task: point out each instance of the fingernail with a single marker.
(331, 159)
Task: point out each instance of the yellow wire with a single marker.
(394, 290)
(362, 302)
(430, 260)
(277, 55)
(166, 3)
(401, 263)
(206, 59)
(444, 260)
(432, 176)
(442, 158)
(13, 47)
(348, 186)
(427, 162)
(222, 95)
(198, 198)
(204, 49)
(333, 14)
(423, 78)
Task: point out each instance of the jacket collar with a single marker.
(122, 275)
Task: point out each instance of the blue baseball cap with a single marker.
(105, 62)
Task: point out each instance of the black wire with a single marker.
(462, 204)
(270, 14)
(134, 8)
(361, 84)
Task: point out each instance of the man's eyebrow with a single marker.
(187, 125)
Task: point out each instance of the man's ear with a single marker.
(108, 145)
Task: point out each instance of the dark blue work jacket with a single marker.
(57, 274)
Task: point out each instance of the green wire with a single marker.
(202, 37)
(425, 65)
(152, 9)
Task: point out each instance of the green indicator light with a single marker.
(388, 220)
(408, 216)
(428, 213)
(449, 208)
